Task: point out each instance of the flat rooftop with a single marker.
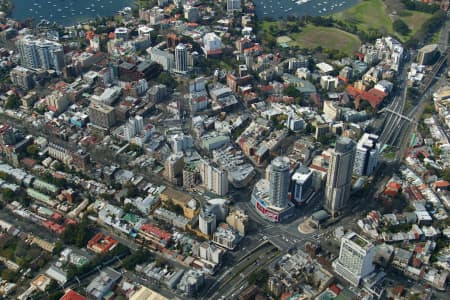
(359, 240)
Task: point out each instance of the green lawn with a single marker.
(326, 37)
(415, 20)
(372, 14)
(366, 15)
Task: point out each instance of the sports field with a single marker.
(312, 37)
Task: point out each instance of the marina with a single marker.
(66, 12)
(283, 8)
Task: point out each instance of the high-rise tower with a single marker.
(339, 177)
(279, 181)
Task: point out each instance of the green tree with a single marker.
(68, 235)
(136, 258)
(128, 208)
(174, 207)
(9, 275)
(55, 295)
(136, 148)
(292, 91)
(446, 174)
(82, 235)
(160, 262)
(77, 234)
(259, 277)
(12, 102)
(32, 150)
(420, 156)
(59, 245)
(8, 195)
(401, 27)
(437, 151)
(167, 79)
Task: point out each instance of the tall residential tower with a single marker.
(181, 58)
(279, 180)
(40, 54)
(339, 177)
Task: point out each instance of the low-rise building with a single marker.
(225, 236)
(103, 283)
(102, 244)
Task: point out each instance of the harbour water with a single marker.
(66, 12)
(283, 8)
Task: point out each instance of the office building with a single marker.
(238, 219)
(103, 283)
(173, 167)
(346, 73)
(355, 258)
(212, 44)
(427, 54)
(157, 93)
(278, 176)
(207, 222)
(226, 237)
(213, 178)
(329, 83)
(339, 177)
(57, 102)
(367, 155)
(191, 13)
(145, 32)
(134, 126)
(164, 58)
(198, 97)
(22, 77)
(7, 135)
(121, 33)
(209, 252)
(40, 53)
(181, 142)
(189, 177)
(301, 183)
(191, 282)
(233, 5)
(181, 58)
(295, 123)
(101, 115)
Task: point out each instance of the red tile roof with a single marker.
(266, 88)
(334, 288)
(441, 184)
(72, 295)
(373, 96)
(156, 232)
(101, 244)
(318, 168)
